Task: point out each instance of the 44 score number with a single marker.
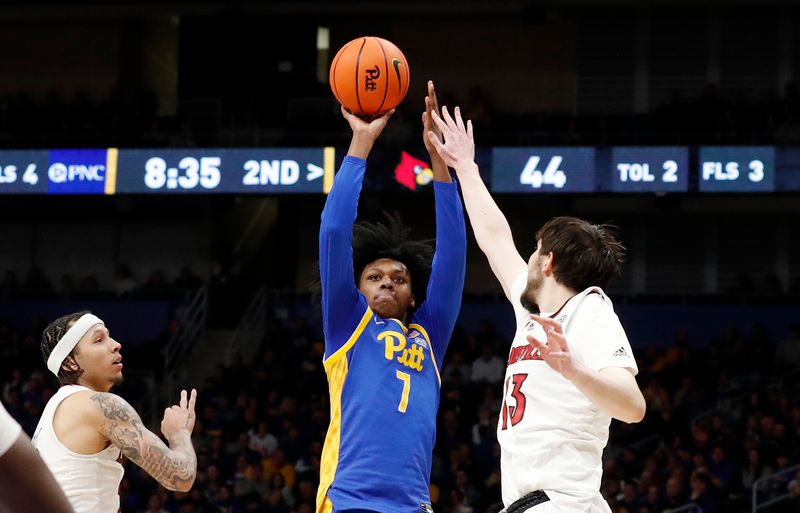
(552, 175)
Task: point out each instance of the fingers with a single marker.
(432, 94)
(442, 125)
(469, 130)
(448, 119)
(548, 323)
(554, 332)
(538, 345)
(440, 149)
(183, 402)
(459, 121)
(192, 400)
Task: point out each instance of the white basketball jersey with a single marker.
(551, 435)
(90, 481)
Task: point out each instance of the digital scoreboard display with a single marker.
(736, 169)
(543, 170)
(536, 170)
(240, 171)
(23, 171)
(158, 171)
(650, 169)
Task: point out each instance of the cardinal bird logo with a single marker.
(412, 172)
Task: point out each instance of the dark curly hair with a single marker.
(50, 337)
(389, 239)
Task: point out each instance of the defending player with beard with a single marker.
(570, 368)
(85, 429)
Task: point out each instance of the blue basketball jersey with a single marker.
(383, 377)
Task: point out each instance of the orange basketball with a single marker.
(369, 76)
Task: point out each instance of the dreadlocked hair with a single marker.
(50, 337)
(390, 239)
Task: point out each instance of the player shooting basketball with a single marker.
(386, 331)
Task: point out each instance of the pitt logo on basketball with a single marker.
(371, 76)
(394, 342)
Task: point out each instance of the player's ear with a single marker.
(412, 303)
(70, 364)
(549, 263)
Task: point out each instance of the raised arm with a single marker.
(488, 223)
(446, 283)
(340, 297)
(174, 467)
(438, 166)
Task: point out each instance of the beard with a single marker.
(119, 380)
(528, 297)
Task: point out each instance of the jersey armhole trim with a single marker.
(328, 362)
(430, 346)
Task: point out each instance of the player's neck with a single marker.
(93, 386)
(553, 296)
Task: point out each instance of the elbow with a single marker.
(185, 486)
(636, 412)
(182, 485)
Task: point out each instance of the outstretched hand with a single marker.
(364, 133)
(458, 149)
(555, 351)
(180, 417)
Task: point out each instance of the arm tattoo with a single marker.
(174, 467)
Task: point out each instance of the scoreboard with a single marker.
(167, 171)
(737, 169)
(543, 169)
(654, 169)
(527, 170)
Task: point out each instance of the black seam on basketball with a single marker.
(386, 72)
(408, 77)
(358, 65)
(333, 82)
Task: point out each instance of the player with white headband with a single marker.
(84, 429)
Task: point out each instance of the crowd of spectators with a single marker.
(37, 285)
(721, 416)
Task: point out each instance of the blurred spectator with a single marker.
(488, 368)
(124, 283)
(262, 441)
(154, 504)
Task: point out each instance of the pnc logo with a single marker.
(60, 172)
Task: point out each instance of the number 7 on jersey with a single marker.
(406, 379)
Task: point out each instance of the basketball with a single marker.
(369, 76)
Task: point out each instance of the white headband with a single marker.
(70, 340)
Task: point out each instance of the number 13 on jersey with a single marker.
(514, 401)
